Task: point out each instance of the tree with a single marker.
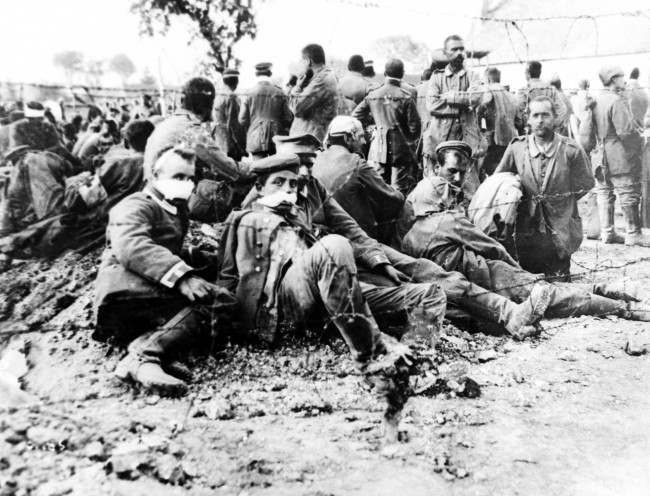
(71, 62)
(94, 71)
(148, 79)
(415, 55)
(122, 65)
(221, 23)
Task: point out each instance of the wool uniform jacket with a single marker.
(549, 203)
(264, 114)
(397, 122)
(358, 188)
(144, 255)
(315, 105)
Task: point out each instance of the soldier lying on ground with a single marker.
(49, 209)
(443, 234)
(466, 302)
(148, 288)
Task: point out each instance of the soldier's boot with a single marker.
(637, 311)
(149, 375)
(179, 370)
(633, 234)
(608, 234)
(619, 291)
(520, 321)
(144, 363)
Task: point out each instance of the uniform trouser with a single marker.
(567, 299)
(466, 301)
(324, 277)
(536, 252)
(158, 328)
(628, 189)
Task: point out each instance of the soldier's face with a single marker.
(541, 118)
(176, 167)
(285, 181)
(619, 82)
(455, 50)
(453, 168)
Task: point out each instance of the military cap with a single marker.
(230, 74)
(459, 145)
(301, 144)
(34, 109)
(275, 163)
(263, 66)
(609, 72)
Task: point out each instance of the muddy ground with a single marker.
(564, 414)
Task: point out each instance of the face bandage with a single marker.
(174, 189)
(279, 198)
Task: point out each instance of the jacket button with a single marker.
(258, 257)
(258, 269)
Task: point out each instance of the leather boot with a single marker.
(518, 320)
(633, 234)
(148, 375)
(521, 321)
(637, 311)
(617, 291)
(147, 353)
(608, 234)
(179, 370)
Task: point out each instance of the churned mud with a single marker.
(563, 414)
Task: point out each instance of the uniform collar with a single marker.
(449, 72)
(535, 151)
(156, 196)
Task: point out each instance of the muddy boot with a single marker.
(633, 234)
(148, 353)
(618, 291)
(608, 234)
(518, 320)
(178, 369)
(521, 321)
(637, 311)
(148, 375)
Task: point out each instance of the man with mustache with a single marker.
(451, 102)
(554, 174)
(443, 234)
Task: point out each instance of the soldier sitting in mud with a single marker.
(281, 270)
(443, 234)
(385, 267)
(148, 288)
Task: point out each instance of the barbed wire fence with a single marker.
(508, 23)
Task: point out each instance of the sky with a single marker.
(32, 31)
(37, 29)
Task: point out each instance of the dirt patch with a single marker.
(562, 414)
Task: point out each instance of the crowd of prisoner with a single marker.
(378, 210)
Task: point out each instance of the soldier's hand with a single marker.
(196, 289)
(393, 274)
